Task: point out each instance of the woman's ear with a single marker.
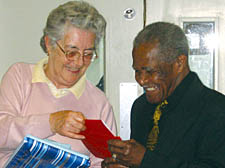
(47, 44)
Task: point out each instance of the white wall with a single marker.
(119, 39)
(20, 31)
(172, 10)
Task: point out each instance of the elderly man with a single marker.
(52, 98)
(178, 122)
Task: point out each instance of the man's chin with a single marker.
(153, 100)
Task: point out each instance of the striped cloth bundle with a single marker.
(38, 153)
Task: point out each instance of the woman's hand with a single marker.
(68, 123)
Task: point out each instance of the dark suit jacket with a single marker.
(192, 128)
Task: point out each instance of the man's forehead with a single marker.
(146, 51)
(148, 44)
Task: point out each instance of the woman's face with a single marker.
(64, 72)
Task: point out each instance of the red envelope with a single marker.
(97, 134)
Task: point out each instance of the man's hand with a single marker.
(111, 163)
(68, 123)
(127, 153)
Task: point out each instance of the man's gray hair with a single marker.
(79, 14)
(171, 38)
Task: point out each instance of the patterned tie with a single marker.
(153, 135)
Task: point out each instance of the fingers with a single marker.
(77, 116)
(116, 142)
(120, 147)
(68, 123)
(128, 153)
(111, 163)
(72, 135)
(75, 121)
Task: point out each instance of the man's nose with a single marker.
(143, 79)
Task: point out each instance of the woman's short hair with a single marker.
(79, 14)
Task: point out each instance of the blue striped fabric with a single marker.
(37, 153)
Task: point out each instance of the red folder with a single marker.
(97, 134)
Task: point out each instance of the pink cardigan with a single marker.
(25, 109)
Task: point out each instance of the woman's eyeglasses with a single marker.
(88, 55)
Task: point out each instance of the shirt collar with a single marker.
(181, 89)
(38, 75)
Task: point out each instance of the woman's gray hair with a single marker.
(80, 14)
(171, 38)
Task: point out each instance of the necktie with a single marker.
(153, 135)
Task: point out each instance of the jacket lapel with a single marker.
(180, 118)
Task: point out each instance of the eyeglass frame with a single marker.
(83, 56)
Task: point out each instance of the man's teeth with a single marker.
(150, 89)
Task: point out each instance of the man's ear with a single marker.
(182, 62)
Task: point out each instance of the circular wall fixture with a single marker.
(129, 13)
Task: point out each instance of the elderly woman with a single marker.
(52, 98)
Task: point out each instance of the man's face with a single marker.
(63, 72)
(158, 78)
